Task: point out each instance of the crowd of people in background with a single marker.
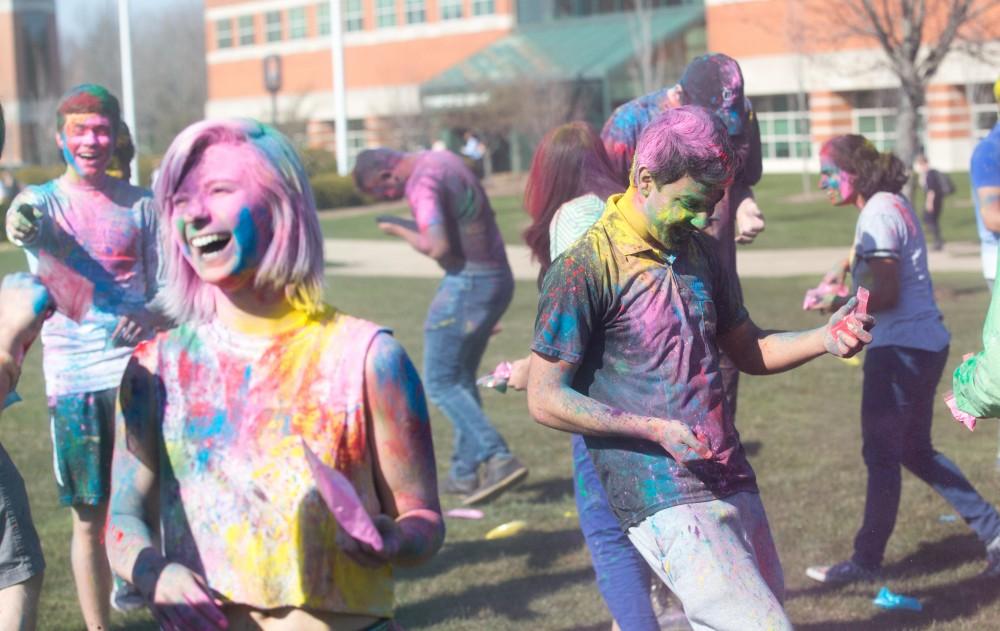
(236, 453)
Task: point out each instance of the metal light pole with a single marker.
(339, 89)
(125, 50)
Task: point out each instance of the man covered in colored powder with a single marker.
(984, 171)
(631, 322)
(104, 230)
(456, 227)
(713, 81)
(24, 303)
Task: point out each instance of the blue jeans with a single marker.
(622, 574)
(897, 404)
(466, 307)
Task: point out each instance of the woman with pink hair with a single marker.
(219, 417)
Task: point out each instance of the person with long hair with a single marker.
(568, 186)
(904, 361)
(218, 417)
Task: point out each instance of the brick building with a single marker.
(29, 77)
(406, 60)
(810, 81)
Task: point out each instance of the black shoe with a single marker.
(502, 472)
(454, 486)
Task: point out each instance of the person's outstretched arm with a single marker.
(759, 352)
(430, 238)
(411, 525)
(177, 596)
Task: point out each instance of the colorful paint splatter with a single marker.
(442, 191)
(887, 228)
(239, 503)
(108, 236)
(641, 324)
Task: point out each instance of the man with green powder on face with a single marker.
(631, 322)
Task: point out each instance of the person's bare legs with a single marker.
(19, 605)
(91, 571)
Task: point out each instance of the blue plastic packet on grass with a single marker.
(888, 600)
(12, 398)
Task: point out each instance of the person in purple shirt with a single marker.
(454, 225)
(631, 321)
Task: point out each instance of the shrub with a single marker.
(335, 191)
(318, 161)
(38, 174)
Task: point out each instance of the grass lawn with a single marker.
(801, 429)
(794, 220)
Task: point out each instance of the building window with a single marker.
(450, 9)
(297, 26)
(874, 117)
(357, 139)
(272, 26)
(224, 33)
(354, 16)
(784, 125)
(482, 7)
(415, 12)
(323, 18)
(244, 26)
(385, 13)
(983, 108)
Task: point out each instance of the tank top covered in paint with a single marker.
(109, 238)
(442, 190)
(238, 501)
(888, 228)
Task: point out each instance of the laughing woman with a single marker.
(214, 414)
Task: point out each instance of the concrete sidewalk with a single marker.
(359, 257)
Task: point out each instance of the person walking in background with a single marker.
(936, 187)
(455, 225)
(904, 362)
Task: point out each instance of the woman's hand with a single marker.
(182, 601)
(367, 556)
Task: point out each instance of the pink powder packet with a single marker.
(962, 417)
(465, 513)
(497, 379)
(71, 292)
(340, 497)
(859, 309)
(816, 295)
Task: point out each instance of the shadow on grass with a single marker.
(929, 558)
(942, 602)
(511, 598)
(544, 491)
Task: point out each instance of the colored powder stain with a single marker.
(68, 156)
(179, 225)
(245, 235)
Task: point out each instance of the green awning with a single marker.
(563, 49)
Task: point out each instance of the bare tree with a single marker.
(651, 64)
(915, 39)
(168, 47)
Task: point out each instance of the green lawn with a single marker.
(801, 429)
(793, 220)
